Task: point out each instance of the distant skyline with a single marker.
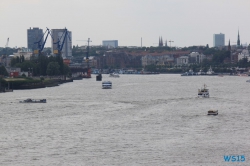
(186, 22)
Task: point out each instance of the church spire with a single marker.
(160, 42)
(229, 46)
(238, 41)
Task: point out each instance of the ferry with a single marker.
(106, 85)
(203, 92)
(212, 112)
(33, 101)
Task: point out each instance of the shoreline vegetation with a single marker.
(19, 83)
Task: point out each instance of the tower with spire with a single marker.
(238, 41)
(229, 46)
(160, 42)
(166, 43)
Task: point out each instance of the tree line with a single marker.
(42, 65)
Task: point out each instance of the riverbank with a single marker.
(8, 84)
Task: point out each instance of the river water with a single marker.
(144, 120)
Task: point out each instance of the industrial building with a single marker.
(110, 43)
(34, 35)
(219, 40)
(61, 38)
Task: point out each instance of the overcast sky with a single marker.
(186, 22)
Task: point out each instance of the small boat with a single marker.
(203, 92)
(33, 101)
(106, 85)
(212, 112)
(189, 73)
(243, 75)
(201, 72)
(114, 75)
(210, 71)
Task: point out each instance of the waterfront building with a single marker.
(196, 57)
(157, 59)
(219, 40)
(58, 34)
(26, 52)
(110, 43)
(244, 54)
(182, 60)
(34, 35)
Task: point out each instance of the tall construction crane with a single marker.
(6, 52)
(61, 42)
(40, 44)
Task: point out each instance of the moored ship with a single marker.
(33, 101)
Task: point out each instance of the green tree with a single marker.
(3, 71)
(243, 63)
(67, 71)
(53, 69)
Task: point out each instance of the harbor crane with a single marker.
(87, 58)
(61, 42)
(40, 44)
(5, 52)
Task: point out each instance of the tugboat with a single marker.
(106, 85)
(212, 112)
(203, 92)
(33, 101)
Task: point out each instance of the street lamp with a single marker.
(29, 72)
(170, 41)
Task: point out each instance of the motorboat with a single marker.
(203, 92)
(106, 85)
(201, 73)
(33, 101)
(212, 112)
(114, 75)
(189, 73)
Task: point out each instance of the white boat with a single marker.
(114, 75)
(189, 73)
(33, 101)
(203, 92)
(201, 72)
(212, 112)
(106, 85)
(210, 71)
